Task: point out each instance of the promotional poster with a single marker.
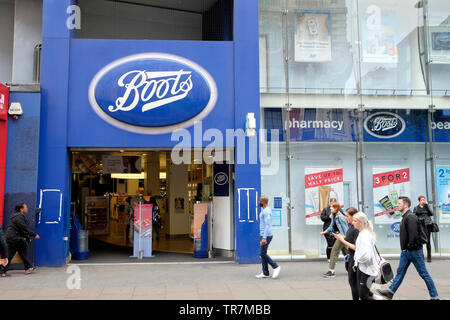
(378, 35)
(121, 164)
(143, 218)
(443, 189)
(321, 184)
(312, 36)
(388, 185)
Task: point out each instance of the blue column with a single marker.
(54, 164)
(246, 55)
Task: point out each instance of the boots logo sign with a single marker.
(384, 125)
(152, 93)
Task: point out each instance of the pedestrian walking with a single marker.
(338, 225)
(3, 251)
(366, 258)
(156, 214)
(18, 235)
(412, 252)
(129, 218)
(325, 217)
(424, 214)
(349, 240)
(266, 235)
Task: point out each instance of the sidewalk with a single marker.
(217, 280)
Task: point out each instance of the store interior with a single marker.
(106, 184)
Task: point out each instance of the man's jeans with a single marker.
(265, 259)
(416, 257)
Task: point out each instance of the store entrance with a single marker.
(107, 184)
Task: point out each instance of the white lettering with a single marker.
(384, 123)
(440, 125)
(152, 86)
(74, 20)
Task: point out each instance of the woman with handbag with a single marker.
(424, 214)
(366, 259)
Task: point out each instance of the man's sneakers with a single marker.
(4, 275)
(276, 272)
(262, 275)
(329, 274)
(30, 271)
(385, 293)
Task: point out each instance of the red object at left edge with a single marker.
(4, 103)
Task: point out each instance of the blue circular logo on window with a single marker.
(152, 93)
(395, 227)
(384, 125)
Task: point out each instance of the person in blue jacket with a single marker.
(338, 225)
(265, 237)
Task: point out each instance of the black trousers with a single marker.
(14, 247)
(364, 290)
(330, 243)
(352, 279)
(428, 231)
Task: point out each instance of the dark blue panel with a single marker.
(214, 57)
(395, 125)
(53, 156)
(246, 54)
(221, 180)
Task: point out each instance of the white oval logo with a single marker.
(384, 125)
(152, 93)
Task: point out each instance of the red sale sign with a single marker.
(4, 103)
(323, 178)
(386, 178)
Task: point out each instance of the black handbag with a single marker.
(385, 273)
(434, 227)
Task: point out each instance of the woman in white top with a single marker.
(366, 259)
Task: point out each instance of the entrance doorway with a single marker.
(106, 184)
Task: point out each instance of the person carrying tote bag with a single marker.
(366, 260)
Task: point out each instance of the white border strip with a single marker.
(60, 205)
(148, 263)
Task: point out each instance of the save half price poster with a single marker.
(321, 184)
(388, 185)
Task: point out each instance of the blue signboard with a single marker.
(277, 202)
(221, 180)
(276, 218)
(151, 92)
(329, 125)
(136, 93)
(443, 189)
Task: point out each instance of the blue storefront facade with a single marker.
(355, 89)
(95, 91)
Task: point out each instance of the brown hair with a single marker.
(336, 205)
(351, 211)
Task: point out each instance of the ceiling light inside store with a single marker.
(128, 175)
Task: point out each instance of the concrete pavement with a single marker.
(201, 281)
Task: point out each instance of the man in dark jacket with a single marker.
(3, 249)
(411, 252)
(18, 235)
